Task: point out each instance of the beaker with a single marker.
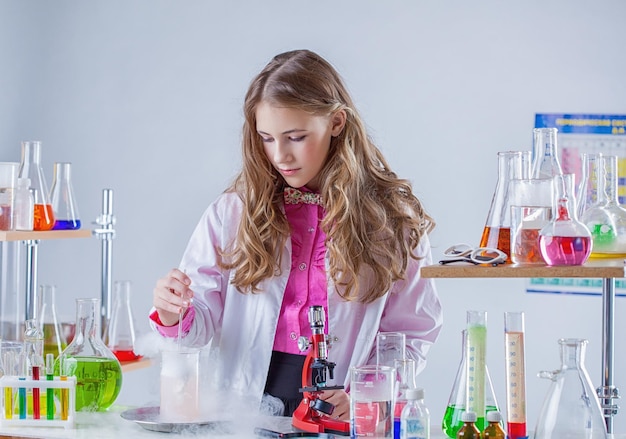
(515, 369)
(30, 167)
(98, 372)
(545, 154)
(371, 398)
(452, 418)
(565, 241)
(54, 338)
(390, 346)
(571, 408)
(8, 183)
(62, 197)
(497, 231)
(180, 396)
(121, 328)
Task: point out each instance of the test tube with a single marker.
(515, 374)
(50, 390)
(476, 365)
(65, 392)
(22, 390)
(36, 400)
(8, 391)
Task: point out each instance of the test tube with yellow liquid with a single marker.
(476, 365)
(515, 375)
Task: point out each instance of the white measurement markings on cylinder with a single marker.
(515, 376)
(476, 343)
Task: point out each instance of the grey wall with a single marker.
(144, 97)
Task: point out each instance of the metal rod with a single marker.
(608, 392)
(106, 233)
(30, 300)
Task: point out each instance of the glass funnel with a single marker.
(452, 418)
(571, 409)
(30, 167)
(565, 241)
(62, 197)
(97, 371)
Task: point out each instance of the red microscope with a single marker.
(313, 414)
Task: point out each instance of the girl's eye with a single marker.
(266, 139)
(297, 139)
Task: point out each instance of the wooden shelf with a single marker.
(142, 363)
(593, 268)
(17, 235)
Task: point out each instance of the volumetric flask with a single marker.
(452, 418)
(62, 197)
(515, 374)
(497, 231)
(30, 167)
(571, 408)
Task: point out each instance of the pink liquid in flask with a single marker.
(565, 250)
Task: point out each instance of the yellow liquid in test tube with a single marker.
(476, 356)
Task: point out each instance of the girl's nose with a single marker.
(281, 152)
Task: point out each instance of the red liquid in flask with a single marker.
(125, 355)
(44, 217)
(497, 237)
(565, 250)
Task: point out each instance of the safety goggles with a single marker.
(477, 256)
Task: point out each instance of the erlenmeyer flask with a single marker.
(452, 418)
(54, 339)
(606, 219)
(571, 408)
(62, 196)
(30, 167)
(97, 371)
(565, 241)
(545, 154)
(121, 330)
(497, 231)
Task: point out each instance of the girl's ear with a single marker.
(338, 121)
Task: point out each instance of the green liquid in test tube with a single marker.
(476, 356)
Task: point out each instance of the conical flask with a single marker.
(497, 231)
(30, 167)
(545, 154)
(121, 330)
(62, 196)
(54, 339)
(97, 370)
(571, 408)
(452, 418)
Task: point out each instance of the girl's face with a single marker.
(296, 142)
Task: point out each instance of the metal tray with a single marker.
(148, 418)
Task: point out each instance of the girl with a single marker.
(315, 217)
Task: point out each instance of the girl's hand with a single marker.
(171, 296)
(340, 399)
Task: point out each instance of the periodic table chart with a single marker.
(578, 134)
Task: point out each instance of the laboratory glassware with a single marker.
(121, 328)
(476, 362)
(497, 230)
(591, 180)
(545, 153)
(515, 369)
(180, 382)
(11, 290)
(390, 346)
(8, 183)
(415, 417)
(405, 380)
(24, 211)
(371, 399)
(565, 241)
(54, 338)
(468, 430)
(571, 408)
(30, 167)
(62, 197)
(33, 355)
(494, 429)
(97, 370)
(452, 418)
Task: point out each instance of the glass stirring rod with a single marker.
(180, 322)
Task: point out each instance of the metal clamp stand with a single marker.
(31, 305)
(106, 233)
(608, 392)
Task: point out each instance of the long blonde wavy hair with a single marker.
(373, 221)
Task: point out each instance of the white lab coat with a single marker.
(242, 326)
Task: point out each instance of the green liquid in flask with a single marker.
(98, 381)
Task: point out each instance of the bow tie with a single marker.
(296, 196)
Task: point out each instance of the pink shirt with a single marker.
(307, 285)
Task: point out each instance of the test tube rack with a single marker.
(24, 419)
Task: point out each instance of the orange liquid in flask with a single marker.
(497, 237)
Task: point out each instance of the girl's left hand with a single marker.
(340, 399)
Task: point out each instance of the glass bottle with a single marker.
(494, 430)
(468, 430)
(30, 167)
(452, 418)
(497, 231)
(545, 154)
(571, 408)
(405, 380)
(62, 196)
(54, 338)
(565, 241)
(24, 205)
(121, 328)
(606, 219)
(415, 417)
(97, 371)
(8, 182)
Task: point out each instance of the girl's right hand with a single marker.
(171, 296)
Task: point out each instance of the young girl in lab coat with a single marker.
(315, 217)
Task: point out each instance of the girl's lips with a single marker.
(288, 171)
